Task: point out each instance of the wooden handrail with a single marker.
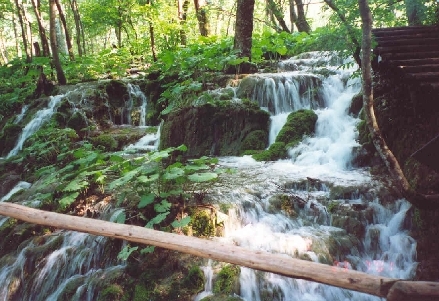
(393, 289)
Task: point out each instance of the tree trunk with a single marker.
(392, 164)
(66, 30)
(53, 44)
(202, 17)
(350, 30)
(20, 13)
(152, 39)
(183, 6)
(278, 14)
(78, 26)
(41, 30)
(244, 27)
(301, 23)
(3, 48)
(293, 15)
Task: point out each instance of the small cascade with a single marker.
(22, 185)
(21, 115)
(208, 275)
(66, 260)
(137, 99)
(149, 142)
(37, 121)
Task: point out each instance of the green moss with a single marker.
(194, 280)
(227, 280)
(298, 124)
(8, 137)
(113, 292)
(276, 151)
(78, 122)
(202, 224)
(105, 141)
(256, 140)
(141, 293)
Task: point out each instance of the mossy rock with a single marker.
(256, 140)
(222, 297)
(276, 151)
(298, 124)
(78, 122)
(227, 280)
(217, 129)
(113, 292)
(202, 224)
(105, 141)
(194, 280)
(9, 137)
(117, 93)
(356, 105)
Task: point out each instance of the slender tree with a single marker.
(202, 17)
(24, 36)
(301, 22)
(66, 30)
(41, 29)
(53, 44)
(274, 10)
(183, 6)
(78, 27)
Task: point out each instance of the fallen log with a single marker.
(260, 260)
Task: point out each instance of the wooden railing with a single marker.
(392, 289)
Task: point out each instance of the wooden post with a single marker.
(260, 260)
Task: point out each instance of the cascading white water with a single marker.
(256, 223)
(149, 142)
(65, 257)
(21, 115)
(37, 121)
(135, 92)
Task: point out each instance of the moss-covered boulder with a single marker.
(117, 93)
(8, 138)
(299, 124)
(218, 129)
(227, 280)
(256, 140)
(78, 122)
(105, 141)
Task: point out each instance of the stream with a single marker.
(316, 205)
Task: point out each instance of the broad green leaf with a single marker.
(116, 159)
(182, 148)
(146, 200)
(173, 173)
(69, 199)
(147, 250)
(76, 185)
(124, 179)
(163, 206)
(203, 177)
(146, 179)
(157, 219)
(126, 252)
(181, 223)
(158, 156)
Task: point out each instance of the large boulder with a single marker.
(217, 129)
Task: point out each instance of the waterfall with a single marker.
(136, 94)
(37, 121)
(148, 142)
(282, 207)
(64, 258)
(21, 115)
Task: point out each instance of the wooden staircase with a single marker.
(410, 52)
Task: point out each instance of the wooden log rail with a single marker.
(392, 289)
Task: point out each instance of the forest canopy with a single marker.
(70, 41)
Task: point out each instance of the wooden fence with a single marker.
(392, 289)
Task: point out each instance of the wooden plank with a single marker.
(260, 260)
(414, 291)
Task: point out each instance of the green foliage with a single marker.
(226, 280)
(276, 151)
(113, 292)
(202, 224)
(256, 140)
(298, 124)
(194, 279)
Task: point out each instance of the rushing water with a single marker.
(37, 121)
(315, 206)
